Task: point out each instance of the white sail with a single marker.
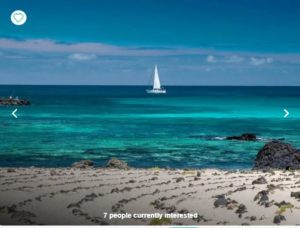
(156, 83)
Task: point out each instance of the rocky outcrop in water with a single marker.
(13, 102)
(117, 164)
(83, 164)
(243, 137)
(277, 155)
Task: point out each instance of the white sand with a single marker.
(74, 196)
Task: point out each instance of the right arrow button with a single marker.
(286, 113)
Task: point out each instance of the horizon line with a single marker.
(110, 85)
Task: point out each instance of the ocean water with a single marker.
(182, 129)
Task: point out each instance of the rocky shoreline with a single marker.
(275, 154)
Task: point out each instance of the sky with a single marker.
(118, 42)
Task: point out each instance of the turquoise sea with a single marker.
(184, 128)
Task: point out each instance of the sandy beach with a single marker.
(94, 196)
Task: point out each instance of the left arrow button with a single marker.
(14, 113)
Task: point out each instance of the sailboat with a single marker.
(157, 89)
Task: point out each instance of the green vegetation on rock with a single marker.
(163, 221)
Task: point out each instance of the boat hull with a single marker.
(156, 91)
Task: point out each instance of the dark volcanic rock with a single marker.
(117, 164)
(83, 164)
(171, 209)
(296, 195)
(278, 218)
(221, 201)
(284, 204)
(277, 155)
(262, 197)
(22, 214)
(53, 172)
(7, 209)
(11, 170)
(179, 179)
(241, 209)
(260, 180)
(243, 137)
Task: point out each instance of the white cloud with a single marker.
(82, 57)
(260, 61)
(225, 59)
(96, 48)
(269, 60)
(29, 47)
(211, 59)
(234, 59)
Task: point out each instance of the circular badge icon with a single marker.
(18, 17)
